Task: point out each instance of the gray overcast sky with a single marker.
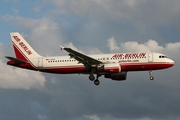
(90, 26)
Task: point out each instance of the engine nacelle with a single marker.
(110, 68)
(117, 76)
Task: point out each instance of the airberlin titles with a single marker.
(25, 48)
(129, 55)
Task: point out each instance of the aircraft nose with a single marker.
(171, 62)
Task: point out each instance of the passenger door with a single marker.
(40, 62)
(150, 57)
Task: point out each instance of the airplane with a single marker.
(113, 66)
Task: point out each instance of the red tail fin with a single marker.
(22, 49)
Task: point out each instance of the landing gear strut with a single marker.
(150, 73)
(91, 76)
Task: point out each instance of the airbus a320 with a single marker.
(113, 66)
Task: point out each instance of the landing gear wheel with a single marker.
(96, 82)
(91, 77)
(150, 73)
(151, 78)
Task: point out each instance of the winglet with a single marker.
(61, 47)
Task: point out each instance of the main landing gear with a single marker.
(92, 78)
(150, 73)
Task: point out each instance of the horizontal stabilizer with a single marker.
(16, 60)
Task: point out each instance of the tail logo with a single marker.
(25, 48)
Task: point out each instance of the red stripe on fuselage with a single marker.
(145, 66)
(124, 67)
(24, 65)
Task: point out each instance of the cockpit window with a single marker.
(162, 56)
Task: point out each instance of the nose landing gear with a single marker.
(151, 78)
(150, 73)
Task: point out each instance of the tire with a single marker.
(96, 82)
(151, 78)
(91, 77)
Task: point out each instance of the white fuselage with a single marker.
(127, 61)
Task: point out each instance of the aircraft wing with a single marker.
(82, 58)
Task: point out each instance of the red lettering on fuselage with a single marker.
(129, 55)
(117, 56)
(25, 48)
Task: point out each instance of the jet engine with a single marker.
(117, 76)
(110, 68)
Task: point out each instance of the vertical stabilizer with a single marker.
(22, 49)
